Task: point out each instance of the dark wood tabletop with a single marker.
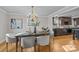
(32, 34)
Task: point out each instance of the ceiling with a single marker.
(25, 10)
(73, 13)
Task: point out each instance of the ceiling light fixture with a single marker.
(33, 19)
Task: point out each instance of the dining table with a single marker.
(21, 35)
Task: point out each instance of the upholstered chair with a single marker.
(10, 38)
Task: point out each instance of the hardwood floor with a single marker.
(56, 45)
(60, 41)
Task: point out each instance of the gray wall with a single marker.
(3, 25)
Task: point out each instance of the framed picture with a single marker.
(16, 23)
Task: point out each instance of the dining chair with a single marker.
(27, 42)
(51, 32)
(77, 34)
(10, 38)
(43, 41)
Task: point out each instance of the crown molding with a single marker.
(63, 10)
(3, 11)
(75, 16)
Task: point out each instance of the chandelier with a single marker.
(33, 18)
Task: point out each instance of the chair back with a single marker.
(43, 40)
(27, 42)
(10, 37)
(77, 34)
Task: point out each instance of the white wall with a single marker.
(50, 23)
(43, 22)
(3, 25)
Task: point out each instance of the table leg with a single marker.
(35, 44)
(7, 46)
(74, 35)
(49, 44)
(39, 48)
(16, 44)
(19, 43)
(35, 48)
(53, 43)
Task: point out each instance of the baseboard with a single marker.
(1, 41)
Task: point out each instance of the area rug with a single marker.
(69, 48)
